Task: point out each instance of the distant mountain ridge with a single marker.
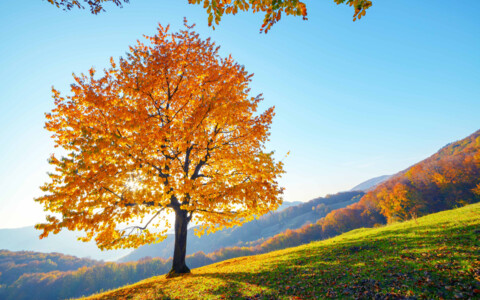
(370, 184)
(65, 242)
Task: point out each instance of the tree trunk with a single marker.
(180, 250)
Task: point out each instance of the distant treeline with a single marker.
(447, 179)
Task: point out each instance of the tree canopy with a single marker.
(170, 127)
(273, 10)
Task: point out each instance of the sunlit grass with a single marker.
(437, 256)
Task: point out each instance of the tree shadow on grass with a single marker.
(400, 267)
(406, 264)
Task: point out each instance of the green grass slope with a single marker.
(434, 257)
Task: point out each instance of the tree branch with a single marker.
(203, 161)
(115, 194)
(227, 213)
(186, 165)
(160, 172)
(122, 199)
(141, 228)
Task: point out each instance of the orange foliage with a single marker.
(216, 9)
(476, 190)
(273, 9)
(443, 181)
(171, 127)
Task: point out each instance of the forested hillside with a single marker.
(255, 231)
(14, 265)
(447, 179)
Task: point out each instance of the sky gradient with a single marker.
(353, 100)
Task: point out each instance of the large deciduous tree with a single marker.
(273, 9)
(170, 128)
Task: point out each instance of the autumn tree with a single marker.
(170, 128)
(273, 10)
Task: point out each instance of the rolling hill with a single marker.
(435, 256)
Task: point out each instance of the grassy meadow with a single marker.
(434, 257)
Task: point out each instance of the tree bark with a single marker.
(181, 223)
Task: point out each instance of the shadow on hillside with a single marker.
(418, 261)
(422, 261)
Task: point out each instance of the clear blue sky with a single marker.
(353, 100)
